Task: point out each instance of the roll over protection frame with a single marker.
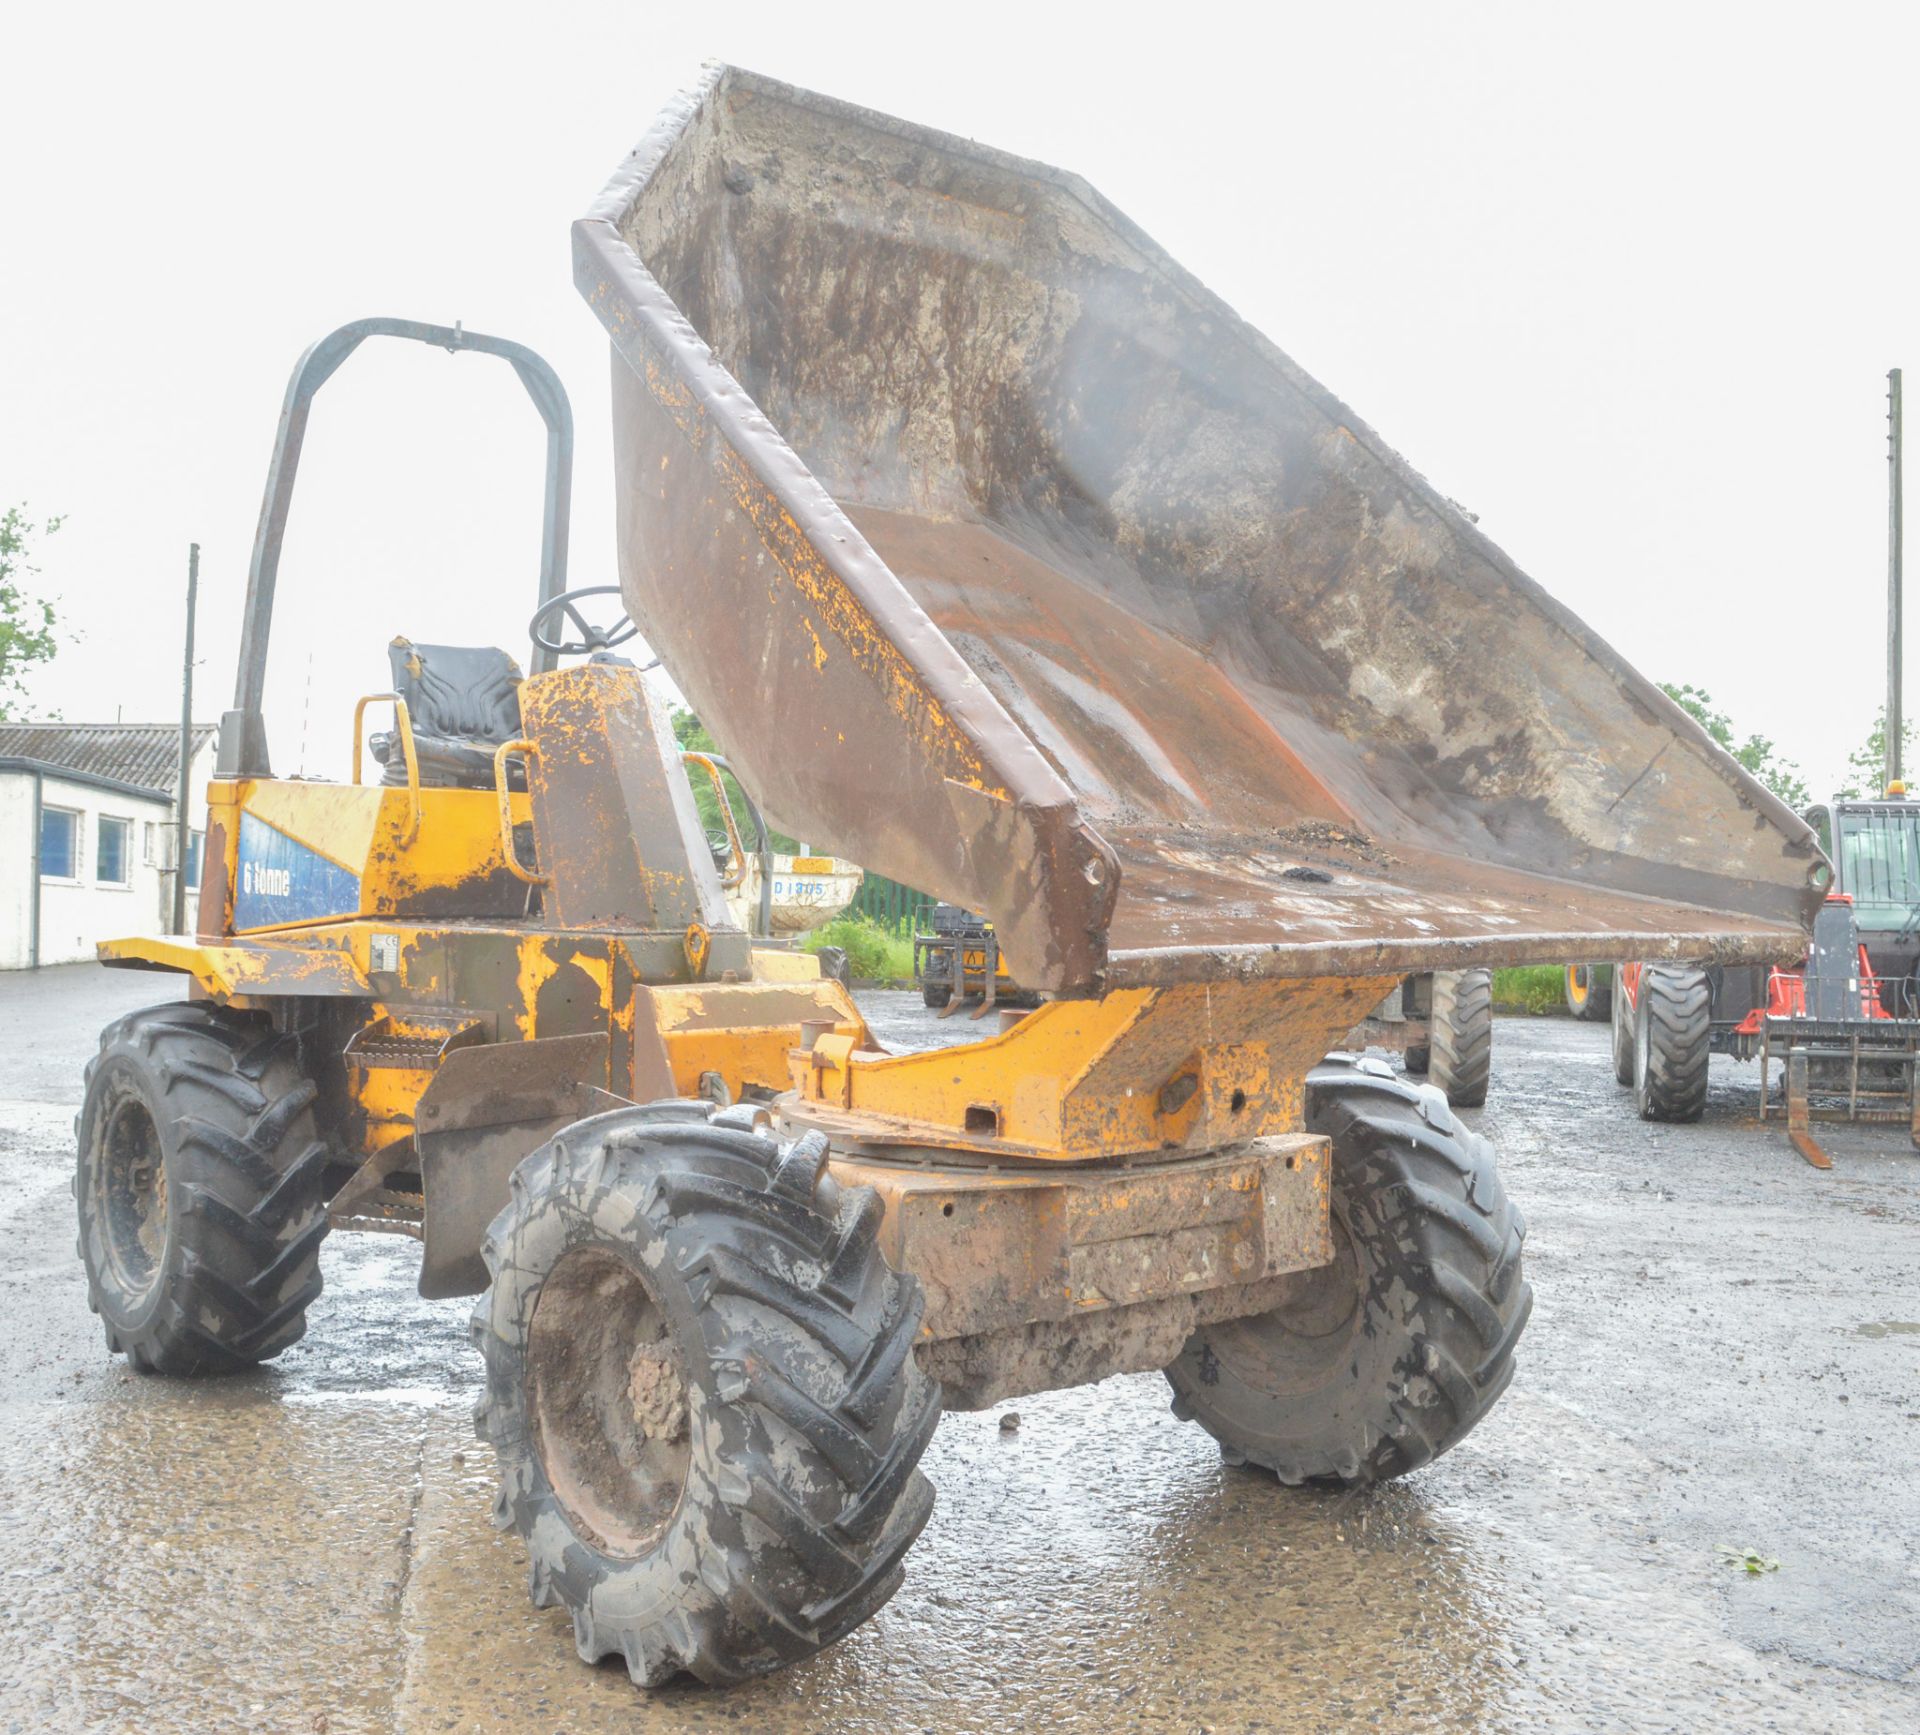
(243, 736)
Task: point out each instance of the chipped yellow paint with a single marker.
(745, 1030)
(241, 970)
(369, 831)
(1187, 1068)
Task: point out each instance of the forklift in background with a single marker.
(957, 961)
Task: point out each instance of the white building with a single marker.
(87, 835)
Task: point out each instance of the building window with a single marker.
(194, 839)
(59, 844)
(150, 843)
(110, 866)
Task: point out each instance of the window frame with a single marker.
(76, 833)
(101, 822)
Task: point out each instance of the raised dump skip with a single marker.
(998, 551)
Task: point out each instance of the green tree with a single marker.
(1867, 763)
(694, 737)
(1756, 754)
(27, 625)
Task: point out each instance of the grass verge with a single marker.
(873, 954)
(1534, 988)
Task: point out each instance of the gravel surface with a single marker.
(1724, 1354)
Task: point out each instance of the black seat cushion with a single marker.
(463, 702)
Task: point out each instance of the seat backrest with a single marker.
(458, 692)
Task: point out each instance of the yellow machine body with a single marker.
(402, 925)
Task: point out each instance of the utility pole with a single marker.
(183, 821)
(1895, 725)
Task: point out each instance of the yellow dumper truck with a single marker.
(995, 549)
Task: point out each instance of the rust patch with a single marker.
(953, 484)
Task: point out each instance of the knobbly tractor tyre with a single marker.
(201, 1190)
(936, 995)
(1621, 1016)
(1384, 1359)
(1588, 999)
(701, 1390)
(1672, 1041)
(1461, 1035)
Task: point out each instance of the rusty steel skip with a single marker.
(938, 478)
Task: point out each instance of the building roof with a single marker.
(136, 756)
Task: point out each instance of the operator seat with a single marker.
(463, 701)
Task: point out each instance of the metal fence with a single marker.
(888, 904)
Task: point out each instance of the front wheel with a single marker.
(702, 1392)
(201, 1190)
(1672, 1040)
(1622, 1017)
(1384, 1359)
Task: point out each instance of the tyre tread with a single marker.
(1429, 1194)
(247, 1192)
(784, 1269)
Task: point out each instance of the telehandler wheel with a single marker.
(1587, 999)
(1462, 1032)
(702, 1392)
(1672, 1040)
(935, 995)
(201, 1189)
(1622, 1020)
(1384, 1359)
(1417, 1057)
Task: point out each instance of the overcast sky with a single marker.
(1624, 282)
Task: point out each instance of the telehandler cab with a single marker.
(1002, 555)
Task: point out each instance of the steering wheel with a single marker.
(547, 618)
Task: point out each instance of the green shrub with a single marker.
(1532, 988)
(873, 954)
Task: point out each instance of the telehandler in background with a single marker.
(1842, 1019)
(997, 551)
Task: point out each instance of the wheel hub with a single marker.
(607, 1397)
(133, 1187)
(1303, 1343)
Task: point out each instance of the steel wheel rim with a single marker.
(607, 1402)
(132, 1181)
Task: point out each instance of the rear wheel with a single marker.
(702, 1392)
(1384, 1359)
(1622, 1017)
(1671, 1043)
(201, 1190)
(1462, 1035)
(1587, 998)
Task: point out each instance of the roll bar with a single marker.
(243, 735)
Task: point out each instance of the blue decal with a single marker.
(279, 881)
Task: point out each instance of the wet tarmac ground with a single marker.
(1724, 1355)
